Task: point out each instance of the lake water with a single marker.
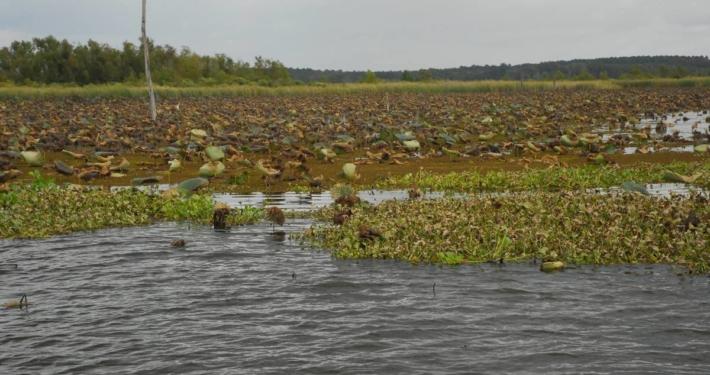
(251, 301)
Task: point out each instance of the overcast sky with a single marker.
(379, 34)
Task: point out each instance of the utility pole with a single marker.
(151, 93)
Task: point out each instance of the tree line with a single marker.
(635, 67)
(49, 60)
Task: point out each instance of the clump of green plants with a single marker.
(245, 216)
(552, 179)
(41, 212)
(42, 209)
(573, 227)
(197, 208)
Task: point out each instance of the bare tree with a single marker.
(151, 93)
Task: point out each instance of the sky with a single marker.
(379, 34)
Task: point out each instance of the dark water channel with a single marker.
(122, 301)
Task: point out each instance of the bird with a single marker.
(341, 217)
(276, 216)
(368, 234)
(414, 192)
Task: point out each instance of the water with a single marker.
(251, 301)
(687, 126)
(309, 201)
(295, 201)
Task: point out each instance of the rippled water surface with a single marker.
(122, 301)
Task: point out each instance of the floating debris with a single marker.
(178, 243)
(552, 266)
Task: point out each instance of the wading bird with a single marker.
(276, 216)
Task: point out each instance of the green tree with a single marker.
(369, 77)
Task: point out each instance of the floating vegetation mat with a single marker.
(573, 227)
(35, 211)
(555, 178)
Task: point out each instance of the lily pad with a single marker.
(174, 165)
(412, 145)
(212, 169)
(350, 171)
(33, 158)
(9, 175)
(701, 148)
(486, 136)
(327, 153)
(675, 177)
(214, 153)
(63, 168)
(565, 140)
(198, 133)
(191, 185)
(405, 136)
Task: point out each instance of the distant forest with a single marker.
(635, 67)
(49, 60)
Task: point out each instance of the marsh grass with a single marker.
(123, 90)
(577, 228)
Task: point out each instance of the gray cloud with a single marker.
(379, 34)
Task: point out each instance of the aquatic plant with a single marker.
(246, 215)
(551, 179)
(196, 208)
(577, 228)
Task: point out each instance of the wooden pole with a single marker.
(151, 93)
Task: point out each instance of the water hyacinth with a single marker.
(574, 228)
(553, 179)
(31, 211)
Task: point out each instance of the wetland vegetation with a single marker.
(546, 151)
(572, 227)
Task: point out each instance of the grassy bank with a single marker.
(555, 178)
(36, 211)
(9, 91)
(578, 228)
